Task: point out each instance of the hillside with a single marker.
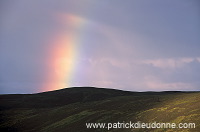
(68, 110)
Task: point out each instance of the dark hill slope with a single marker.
(65, 96)
(68, 110)
(59, 97)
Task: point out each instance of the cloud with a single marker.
(170, 63)
(161, 86)
(198, 59)
(171, 74)
(134, 75)
(158, 84)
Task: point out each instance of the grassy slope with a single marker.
(69, 109)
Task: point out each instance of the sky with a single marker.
(134, 45)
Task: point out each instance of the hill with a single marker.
(68, 110)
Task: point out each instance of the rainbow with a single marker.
(65, 50)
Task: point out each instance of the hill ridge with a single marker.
(70, 108)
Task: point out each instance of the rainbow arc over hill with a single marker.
(66, 50)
